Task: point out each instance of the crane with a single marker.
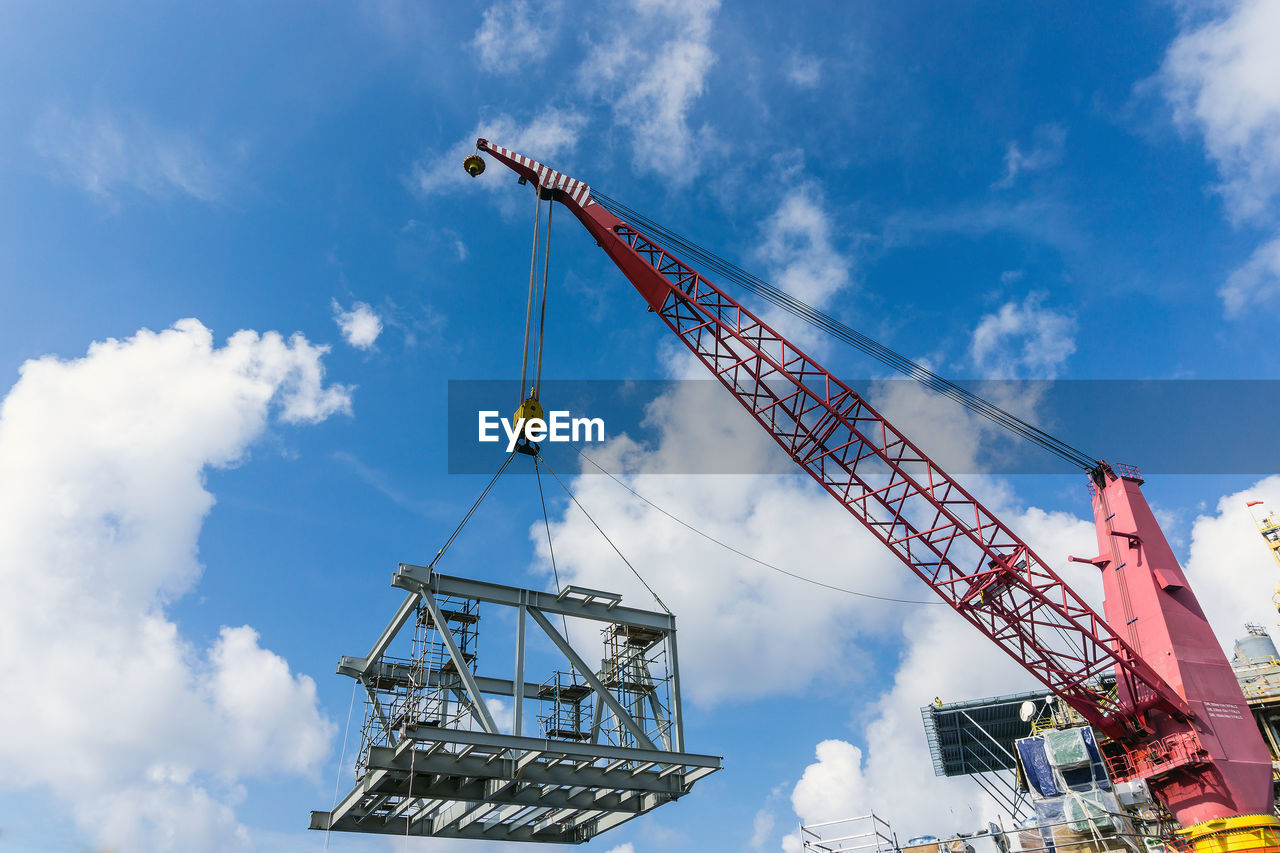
(1177, 709)
(1269, 527)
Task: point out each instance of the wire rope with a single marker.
(600, 530)
(528, 312)
(542, 319)
(472, 511)
(546, 520)
(859, 341)
(342, 760)
(744, 554)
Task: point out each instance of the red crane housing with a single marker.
(1178, 710)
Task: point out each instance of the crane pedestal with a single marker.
(1215, 766)
(1235, 834)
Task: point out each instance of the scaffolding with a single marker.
(566, 708)
(434, 762)
(1094, 831)
(635, 668)
(864, 834)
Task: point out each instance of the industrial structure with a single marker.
(979, 738)
(607, 744)
(1269, 526)
(1146, 675)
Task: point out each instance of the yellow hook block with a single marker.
(528, 411)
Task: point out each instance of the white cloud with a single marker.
(799, 248)
(652, 68)
(1220, 76)
(141, 734)
(785, 520)
(833, 787)
(1230, 566)
(360, 326)
(761, 829)
(102, 154)
(804, 70)
(1045, 150)
(801, 257)
(512, 36)
(1023, 339)
(548, 135)
(1255, 284)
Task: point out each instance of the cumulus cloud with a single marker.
(102, 154)
(1023, 339)
(1229, 566)
(652, 68)
(761, 829)
(102, 497)
(1255, 284)
(799, 248)
(360, 326)
(784, 520)
(1044, 151)
(1220, 77)
(801, 256)
(512, 35)
(546, 137)
(833, 787)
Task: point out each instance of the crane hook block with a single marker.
(474, 164)
(529, 410)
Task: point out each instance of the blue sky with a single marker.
(1002, 190)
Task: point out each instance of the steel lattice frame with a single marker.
(928, 520)
(430, 778)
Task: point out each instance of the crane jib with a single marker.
(970, 558)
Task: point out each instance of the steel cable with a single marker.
(796, 307)
(472, 511)
(528, 312)
(599, 529)
(743, 554)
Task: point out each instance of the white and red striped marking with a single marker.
(549, 178)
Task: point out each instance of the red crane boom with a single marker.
(970, 558)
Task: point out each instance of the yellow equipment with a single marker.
(1232, 834)
(1269, 527)
(528, 411)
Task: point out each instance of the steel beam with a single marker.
(420, 578)
(464, 670)
(393, 627)
(517, 727)
(380, 758)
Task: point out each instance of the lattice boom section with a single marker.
(928, 520)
